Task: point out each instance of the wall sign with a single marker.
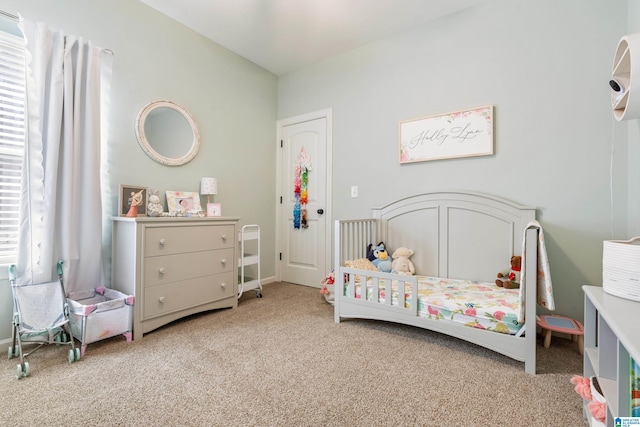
(464, 133)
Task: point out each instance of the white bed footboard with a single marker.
(454, 235)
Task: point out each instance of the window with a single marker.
(12, 141)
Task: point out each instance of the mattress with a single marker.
(475, 304)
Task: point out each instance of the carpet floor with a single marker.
(280, 360)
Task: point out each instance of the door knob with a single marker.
(320, 211)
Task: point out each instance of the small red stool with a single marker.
(554, 323)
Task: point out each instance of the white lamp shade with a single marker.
(208, 186)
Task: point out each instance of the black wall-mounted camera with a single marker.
(616, 85)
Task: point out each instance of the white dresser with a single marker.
(174, 266)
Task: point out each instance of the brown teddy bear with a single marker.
(511, 279)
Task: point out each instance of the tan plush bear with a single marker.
(401, 263)
(511, 279)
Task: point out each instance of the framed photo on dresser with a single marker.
(214, 209)
(183, 202)
(127, 193)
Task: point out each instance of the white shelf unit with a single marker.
(611, 338)
(626, 66)
(249, 261)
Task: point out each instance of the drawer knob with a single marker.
(224, 237)
(163, 241)
(223, 261)
(163, 270)
(223, 285)
(162, 299)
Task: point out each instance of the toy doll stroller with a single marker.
(40, 316)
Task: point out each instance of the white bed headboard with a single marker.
(456, 234)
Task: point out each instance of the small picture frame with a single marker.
(214, 209)
(124, 199)
(183, 203)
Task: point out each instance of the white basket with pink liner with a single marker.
(100, 313)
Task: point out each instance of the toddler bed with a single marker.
(461, 240)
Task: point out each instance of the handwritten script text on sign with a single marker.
(460, 134)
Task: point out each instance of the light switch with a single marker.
(354, 191)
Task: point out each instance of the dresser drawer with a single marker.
(181, 295)
(174, 240)
(172, 268)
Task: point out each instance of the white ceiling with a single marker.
(285, 35)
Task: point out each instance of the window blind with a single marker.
(12, 141)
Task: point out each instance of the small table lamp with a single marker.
(208, 186)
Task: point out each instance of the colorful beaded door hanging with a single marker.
(300, 183)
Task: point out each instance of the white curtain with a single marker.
(61, 204)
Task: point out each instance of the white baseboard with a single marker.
(267, 280)
(4, 345)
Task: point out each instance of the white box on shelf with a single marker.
(100, 313)
(621, 268)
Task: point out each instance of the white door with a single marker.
(304, 252)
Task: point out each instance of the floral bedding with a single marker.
(475, 304)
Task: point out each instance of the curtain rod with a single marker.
(9, 15)
(17, 18)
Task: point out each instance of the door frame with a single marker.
(280, 124)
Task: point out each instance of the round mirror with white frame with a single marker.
(167, 133)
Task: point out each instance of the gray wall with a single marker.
(633, 127)
(544, 65)
(232, 100)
